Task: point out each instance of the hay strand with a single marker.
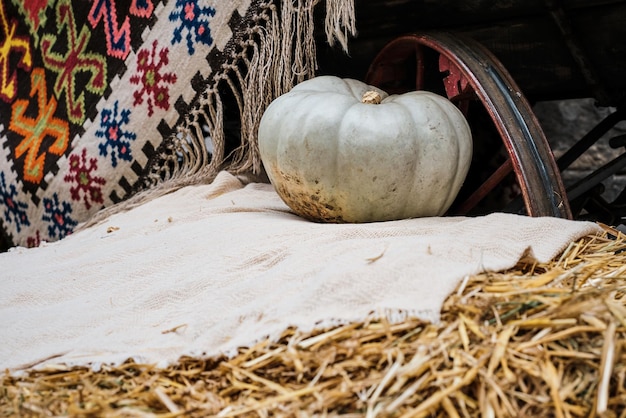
(537, 340)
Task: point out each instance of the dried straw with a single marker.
(538, 340)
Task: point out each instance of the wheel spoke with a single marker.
(484, 189)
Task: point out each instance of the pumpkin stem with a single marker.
(371, 97)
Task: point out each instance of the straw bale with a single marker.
(537, 340)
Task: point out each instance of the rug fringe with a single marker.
(265, 65)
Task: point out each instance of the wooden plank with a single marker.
(521, 33)
(378, 17)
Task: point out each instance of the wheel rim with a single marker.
(474, 71)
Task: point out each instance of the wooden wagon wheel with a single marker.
(468, 71)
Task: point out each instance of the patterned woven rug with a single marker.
(100, 99)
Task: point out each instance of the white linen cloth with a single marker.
(210, 268)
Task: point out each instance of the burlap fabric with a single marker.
(210, 268)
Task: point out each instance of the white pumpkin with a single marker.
(334, 157)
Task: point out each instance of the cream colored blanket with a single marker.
(208, 269)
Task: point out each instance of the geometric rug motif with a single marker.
(89, 90)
